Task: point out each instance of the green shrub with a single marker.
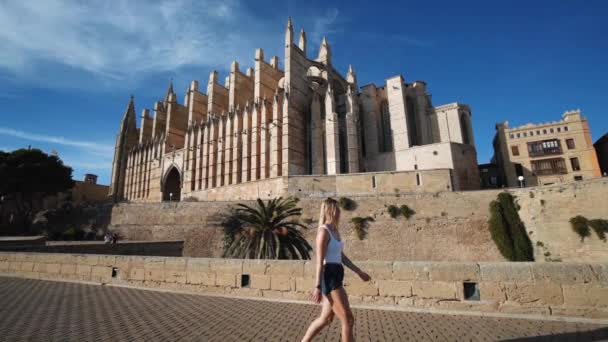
(347, 203)
(406, 211)
(393, 211)
(508, 231)
(360, 225)
(73, 233)
(600, 227)
(580, 225)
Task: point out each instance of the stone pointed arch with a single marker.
(172, 184)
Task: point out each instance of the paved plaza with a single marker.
(36, 310)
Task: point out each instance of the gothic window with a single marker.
(386, 139)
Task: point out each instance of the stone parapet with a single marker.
(564, 289)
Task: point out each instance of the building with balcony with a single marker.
(545, 153)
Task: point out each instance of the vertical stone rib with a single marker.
(332, 141)
(264, 143)
(246, 164)
(221, 141)
(255, 142)
(206, 155)
(352, 133)
(228, 176)
(276, 137)
(237, 160)
(213, 153)
(316, 141)
(200, 151)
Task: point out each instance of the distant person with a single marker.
(330, 275)
(107, 238)
(114, 238)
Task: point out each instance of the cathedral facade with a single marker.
(305, 120)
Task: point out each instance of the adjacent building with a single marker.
(545, 153)
(268, 122)
(601, 149)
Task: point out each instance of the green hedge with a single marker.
(508, 231)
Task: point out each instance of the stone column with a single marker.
(213, 152)
(246, 164)
(352, 132)
(206, 161)
(229, 141)
(276, 137)
(332, 135)
(237, 147)
(255, 142)
(221, 146)
(316, 140)
(264, 141)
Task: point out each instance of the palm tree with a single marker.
(267, 231)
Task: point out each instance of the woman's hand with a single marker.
(315, 296)
(364, 276)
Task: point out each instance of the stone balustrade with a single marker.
(559, 289)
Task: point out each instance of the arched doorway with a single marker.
(172, 186)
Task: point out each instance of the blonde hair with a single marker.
(330, 213)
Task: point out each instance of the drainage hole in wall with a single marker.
(244, 280)
(471, 291)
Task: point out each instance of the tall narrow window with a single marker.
(575, 164)
(386, 140)
(515, 150)
(570, 144)
(412, 125)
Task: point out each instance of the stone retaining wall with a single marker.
(559, 289)
(158, 248)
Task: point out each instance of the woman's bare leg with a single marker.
(324, 319)
(341, 308)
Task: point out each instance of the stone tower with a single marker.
(126, 139)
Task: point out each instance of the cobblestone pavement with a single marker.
(35, 310)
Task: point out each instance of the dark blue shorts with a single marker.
(333, 277)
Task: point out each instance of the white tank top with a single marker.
(333, 254)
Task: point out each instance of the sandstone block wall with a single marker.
(564, 289)
(447, 226)
(546, 212)
(161, 248)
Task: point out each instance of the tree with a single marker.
(28, 175)
(267, 231)
(508, 231)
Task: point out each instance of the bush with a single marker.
(360, 225)
(393, 211)
(580, 225)
(600, 227)
(406, 211)
(73, 234)
(347, 203)
(508, 231)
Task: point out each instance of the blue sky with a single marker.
(67, 67)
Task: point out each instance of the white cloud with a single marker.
(323, 24)
(90, 146)
(123, 39)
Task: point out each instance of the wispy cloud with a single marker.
(324, 24)
(122, 39)
(88, 145)
(394, 38)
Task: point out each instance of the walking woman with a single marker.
(330, 274)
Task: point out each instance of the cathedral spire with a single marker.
(302, 41)
(351, 77)
(169, 91)
(289, 33)
(324, 52)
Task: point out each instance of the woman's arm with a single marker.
(348, 263)
(321, 247)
